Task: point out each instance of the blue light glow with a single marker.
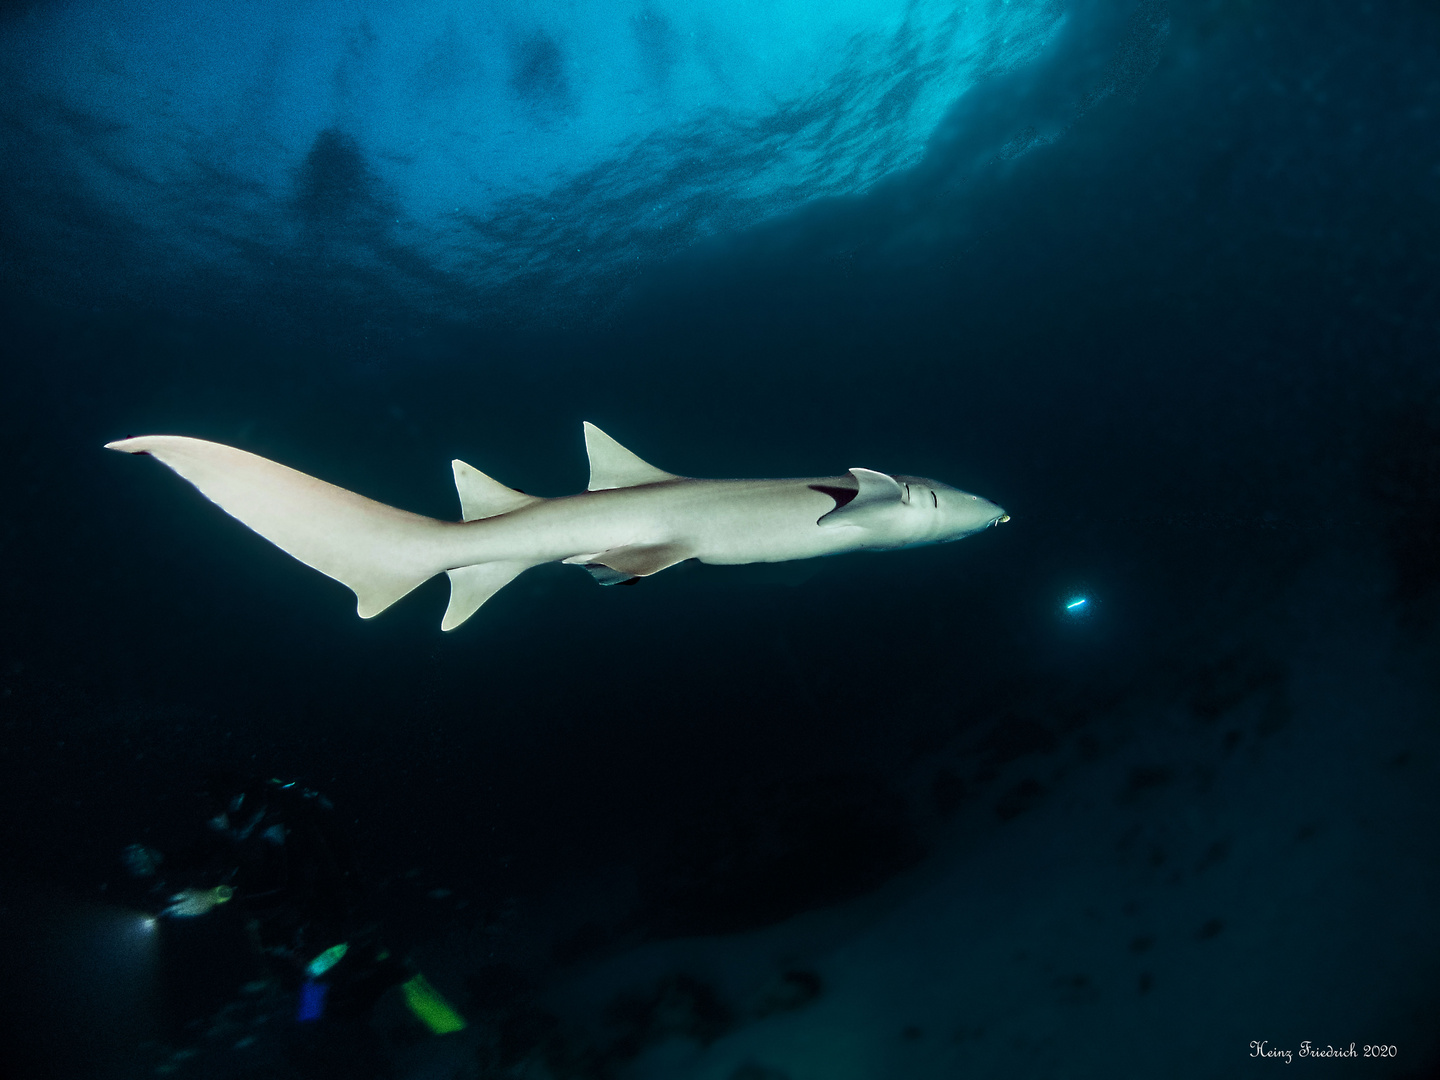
(312, 1001)
(1076, 605)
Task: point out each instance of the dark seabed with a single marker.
(1161, 279)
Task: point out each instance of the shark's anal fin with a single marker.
(619, 565)
(471, 586)
(878, 492)
(612, 466)
(482, 496)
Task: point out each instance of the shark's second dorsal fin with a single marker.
(482, 496)
(612, 466)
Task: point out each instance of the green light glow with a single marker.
(326, 960)
(432, 1010)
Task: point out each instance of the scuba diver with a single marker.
(272, 852)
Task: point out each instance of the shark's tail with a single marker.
(378, 551)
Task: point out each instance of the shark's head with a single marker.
(907, 511)
(936, 513)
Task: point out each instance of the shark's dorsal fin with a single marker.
(612, 466)
(482, 496)
(877, 492)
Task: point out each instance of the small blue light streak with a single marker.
(1076, 605)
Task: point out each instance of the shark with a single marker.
(631, 522)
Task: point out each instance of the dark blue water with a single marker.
(1160, 279)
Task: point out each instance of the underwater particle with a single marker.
(1077, 604)
(948, 792)
(751, 1071)
(1147, 778)
(142, 861)
(1211, 928)
(1077, 989)
(793, 989)
(539, 73)
(679, 1006)
(1215, 853)
(1018, 799)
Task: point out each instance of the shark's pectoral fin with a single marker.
(622, 564)
(471, 586)
(878, 493)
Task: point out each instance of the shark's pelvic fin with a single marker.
(482, 496)
(877, 492)
(612, 466)
(378, 551)
(619, 565)
(471, 586)
(642, 560)
(606, 576)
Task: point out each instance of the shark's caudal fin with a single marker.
(378, 551)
